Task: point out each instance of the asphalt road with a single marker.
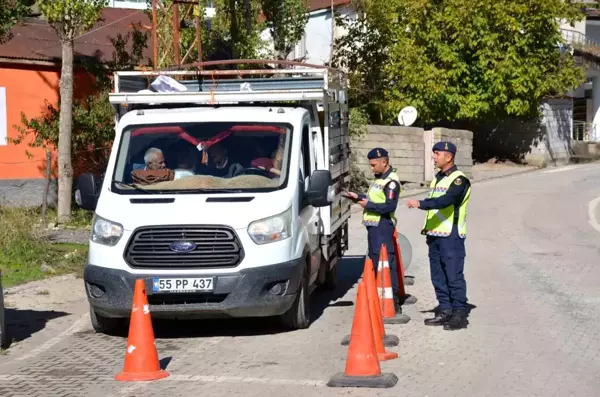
(533, 272)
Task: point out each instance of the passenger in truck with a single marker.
(264, 161)
(219, 163)
(154, 159)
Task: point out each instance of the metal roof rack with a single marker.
(306, 82)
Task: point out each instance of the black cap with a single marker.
(445, 146)
(377, 153)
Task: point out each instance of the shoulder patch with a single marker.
(458, 181)
(392, 185)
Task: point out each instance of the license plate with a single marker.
(182, 284)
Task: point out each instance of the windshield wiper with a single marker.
(213, 190)
(139, 189)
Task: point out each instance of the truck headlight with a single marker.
(106, 232)
(274, 228)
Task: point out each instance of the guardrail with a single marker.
(575, 37)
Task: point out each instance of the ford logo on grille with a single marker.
(182, 246)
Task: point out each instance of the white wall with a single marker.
(136, 4)
(318, 37)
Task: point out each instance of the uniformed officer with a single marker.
(379, 216)
(446, 230)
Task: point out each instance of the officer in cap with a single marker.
(446, 230)
(379, 216)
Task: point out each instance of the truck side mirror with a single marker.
(320, 189)
(87, 192)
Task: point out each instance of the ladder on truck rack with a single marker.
(205, 88)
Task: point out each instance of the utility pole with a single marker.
(168, 19)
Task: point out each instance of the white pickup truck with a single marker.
(224, 196)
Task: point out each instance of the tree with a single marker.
(234, 32)
(286, 19)
(11, 12)
(69, 18)
(492, 59)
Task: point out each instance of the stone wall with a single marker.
(26, 192)
(404, 144)
(463, 140)
(410, 150)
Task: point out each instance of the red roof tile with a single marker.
(34, 39)
(314, 5)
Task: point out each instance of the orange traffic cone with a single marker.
(362, 365)
(384, 290)
(375, 311)
(377, 318)
(405, 298)
(141, 357)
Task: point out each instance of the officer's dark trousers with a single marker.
(383, 234)
(447, 261)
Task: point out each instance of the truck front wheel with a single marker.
(106, 325)
(298, 316)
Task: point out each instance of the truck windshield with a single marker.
(202, 157)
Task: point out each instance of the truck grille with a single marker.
(215, 246)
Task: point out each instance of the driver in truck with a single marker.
(219, 162)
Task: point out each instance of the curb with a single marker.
(594, 213)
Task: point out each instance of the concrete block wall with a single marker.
(404, 144)
(463, 140)
(410, 149)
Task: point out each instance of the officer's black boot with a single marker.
(397, 304)
(441, 316)
(458, 320)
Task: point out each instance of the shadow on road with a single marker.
(349, 272)
(22, 324)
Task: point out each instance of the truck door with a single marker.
(309, 214)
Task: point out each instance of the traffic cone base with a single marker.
(385, 356)
(399, 318)
(408, 299)
(141, 357)
(388, 340)
(141, 376)
(382, 381)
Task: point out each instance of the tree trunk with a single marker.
(248, 10)
(65, 169)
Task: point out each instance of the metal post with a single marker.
(154, 34)
(176, 30)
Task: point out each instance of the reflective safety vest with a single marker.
(439, 222)
(377, 196)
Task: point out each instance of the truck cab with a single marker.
(226, 203)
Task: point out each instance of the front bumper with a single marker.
(244, 294)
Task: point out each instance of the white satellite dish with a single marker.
(407, 116)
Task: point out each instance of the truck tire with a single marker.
(106, 325)
(331, 278)
(298, 316)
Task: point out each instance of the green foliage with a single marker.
(487, 60)
(23, 250)
(286, 20)
(70, 18)
(11, 12)
(357, 128)
(235, 30)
